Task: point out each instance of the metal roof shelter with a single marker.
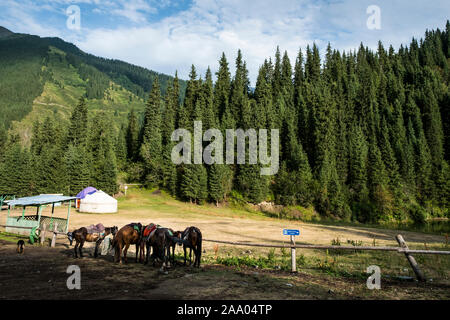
(37, 220)
(5, 196)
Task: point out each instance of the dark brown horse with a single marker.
(81, 235)
(192, 239)
(161, 240)
(127, 235)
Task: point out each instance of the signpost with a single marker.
(292, 233)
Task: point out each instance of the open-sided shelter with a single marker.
(37, 220)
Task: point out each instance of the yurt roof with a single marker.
(98, 197)
(83, 193)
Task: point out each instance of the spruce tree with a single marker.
(132, 137)
(77, 133)
(151, 148)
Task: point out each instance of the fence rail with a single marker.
(43, 232)
(324, 247)
(402, 248)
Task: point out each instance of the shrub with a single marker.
(417, 214)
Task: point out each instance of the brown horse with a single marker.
(127, 235)
(81, 235)
(192, 239)
(161, 240)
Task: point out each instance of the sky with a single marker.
(171, 35)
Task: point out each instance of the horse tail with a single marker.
(199, 245)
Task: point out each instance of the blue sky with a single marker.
(169, 35)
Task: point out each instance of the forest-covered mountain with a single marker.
(364, 134)
(48, 75)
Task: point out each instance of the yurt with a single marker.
(98, 202)
(82, 194)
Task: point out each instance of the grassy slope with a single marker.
(61, 94)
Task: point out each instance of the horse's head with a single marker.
(193, 236)
(70, 237)
(114, 230)
(160, 242)
(179, 235)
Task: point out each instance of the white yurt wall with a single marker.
(98, 202)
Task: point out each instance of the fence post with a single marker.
(43, 233)
(54, 235)
(411, 260)
(293, 259)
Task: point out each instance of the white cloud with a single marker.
(199, 35)
(207, 28)
(134, 10)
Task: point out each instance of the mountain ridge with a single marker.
(32, 67)
(5, 32)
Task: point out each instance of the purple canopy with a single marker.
(85, 192)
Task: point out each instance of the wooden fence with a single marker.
(43, 232)
(402, 248)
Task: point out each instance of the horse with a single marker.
(161, 240)
(127, 235)
(81, 235)
(192, 239)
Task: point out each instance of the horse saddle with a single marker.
(136, 226)
(98, 228)
(150, 230)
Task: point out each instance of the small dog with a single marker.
(20, 246)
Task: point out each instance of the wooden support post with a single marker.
(411, 260)
(43, 234)
(55, 232)
(68, 214)
(293, 259)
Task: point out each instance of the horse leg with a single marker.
(155, 250)
(125, 253)
(141, 249)
(148, 253)
(120, 252)
(173, 254)
(81, 247)
(190, 256)
(167, 255)
(97, 244)
(75, 249)
(137, 251)
(184, 248)
(198, 254)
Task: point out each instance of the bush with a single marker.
(364, 212)
(417, 214)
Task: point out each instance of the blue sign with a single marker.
(291, 232)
